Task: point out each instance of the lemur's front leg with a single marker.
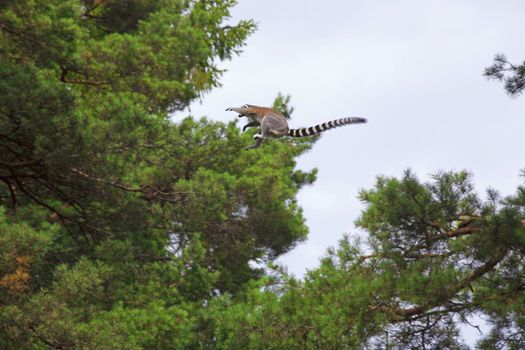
(250, 125)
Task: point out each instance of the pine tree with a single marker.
(436, 254)
(118, 224)
(512, 75)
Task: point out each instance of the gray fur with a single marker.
(273, 124)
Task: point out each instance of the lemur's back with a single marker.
(259, 112)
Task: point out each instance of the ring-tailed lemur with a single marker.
(273, 124)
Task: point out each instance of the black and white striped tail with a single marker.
(324, 126)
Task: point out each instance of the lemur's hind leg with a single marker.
(264, 132)
(258, 140)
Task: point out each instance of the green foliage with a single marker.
(22, 250)
(513, 76)
(436, 255)
(121, 229)
(282, 104)
(118, 224)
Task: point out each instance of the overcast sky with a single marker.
(413, 68)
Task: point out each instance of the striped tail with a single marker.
(325, 126)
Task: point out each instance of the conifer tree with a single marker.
(117, 223)
(437, 254)
(512, 75)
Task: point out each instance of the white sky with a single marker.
(413, 68)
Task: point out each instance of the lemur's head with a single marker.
(243, 114)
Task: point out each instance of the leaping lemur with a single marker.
(273, 124)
